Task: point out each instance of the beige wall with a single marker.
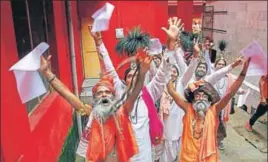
(245, 21)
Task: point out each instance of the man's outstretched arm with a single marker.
(108, 65)
(176, 97)
(83, 109)
(144, 67)
(233, 89)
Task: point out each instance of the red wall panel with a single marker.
(63, 49)
(52, 129)
(150, 15)
(52, 119)
(185, 12)
(14, 120)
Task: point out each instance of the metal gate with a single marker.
(207, 21)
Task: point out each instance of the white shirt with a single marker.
(214, 77)
(155, 88)
(173, 124)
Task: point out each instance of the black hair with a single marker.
(216, 62)
(190, 95)
(163, 47)
(176, 69)
(126, 73)
(207, 88)
(204, 63)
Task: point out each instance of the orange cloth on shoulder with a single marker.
(125, 144)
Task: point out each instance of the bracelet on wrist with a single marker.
(242, 74)
(50, 80)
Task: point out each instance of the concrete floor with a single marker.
(244, 146)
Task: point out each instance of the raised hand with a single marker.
(95, 35)
(145, 63)
(45, 64)
(175, 27)
(238, 62)
(245, 67)
(196, 47)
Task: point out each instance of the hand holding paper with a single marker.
(29, 82)
(258, 64)
(102, 18)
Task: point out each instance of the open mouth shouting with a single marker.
(105, 102)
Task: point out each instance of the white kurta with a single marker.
(221, 87)
(155, 88)
(139, 115)
(173, 124)
(213, 77)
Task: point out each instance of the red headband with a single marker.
(105, 81)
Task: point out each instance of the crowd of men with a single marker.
(191, 95)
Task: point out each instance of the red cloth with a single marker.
(104, 81)
(125, 144)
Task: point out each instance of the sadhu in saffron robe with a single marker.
(104, 137)
(205, 148)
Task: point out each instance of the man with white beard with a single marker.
(201, 70)
(200, 122)
(139, 116)
(109, 127)
(170, 112)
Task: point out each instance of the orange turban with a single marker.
(105, 81)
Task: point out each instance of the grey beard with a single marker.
(200, 74)
(102, 111)
(201, 107)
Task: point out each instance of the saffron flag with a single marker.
(29, 82)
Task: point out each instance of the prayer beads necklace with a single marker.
(197, 134)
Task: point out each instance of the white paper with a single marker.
(102, 18)
(242, 99)
(258, 63)
(155, 47)
(29, 82)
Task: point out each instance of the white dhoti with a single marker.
(171, 151)
(158, 151)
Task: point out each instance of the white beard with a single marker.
(201, 107)
(103, 111)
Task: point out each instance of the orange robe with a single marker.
(228, 107)
(125, 143)
(205, 148)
